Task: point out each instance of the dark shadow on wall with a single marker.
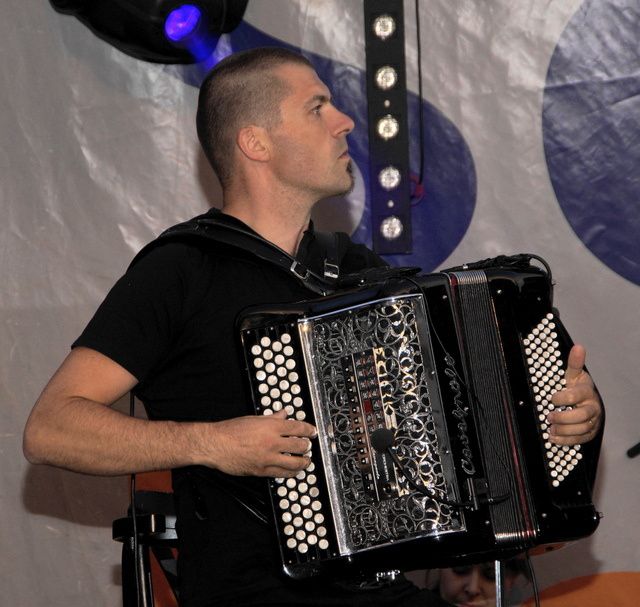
(93, 501)
(86, 500)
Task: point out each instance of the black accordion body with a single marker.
(430, 395)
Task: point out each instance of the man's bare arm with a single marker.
(72, 426)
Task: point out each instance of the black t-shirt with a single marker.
(170, 321)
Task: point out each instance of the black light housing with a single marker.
(388, 126)
(136, 27)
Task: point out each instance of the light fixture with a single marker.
(182, 21)
(391, 227)
(388, 129)
(389, 178)
(160, 31)
(384, 26)
(386, 77)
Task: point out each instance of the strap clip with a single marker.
(299, 270)
(331, 270)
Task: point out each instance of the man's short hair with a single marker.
(241, 90)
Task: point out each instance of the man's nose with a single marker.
(343, 124)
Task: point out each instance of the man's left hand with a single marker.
(581, 423)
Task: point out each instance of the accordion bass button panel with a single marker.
(547, 377)
(299, 501)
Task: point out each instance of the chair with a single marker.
(149, 576)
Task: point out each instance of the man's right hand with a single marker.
(258, 445)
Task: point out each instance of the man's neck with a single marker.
(284, 227)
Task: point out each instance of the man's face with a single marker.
(472, 585)
(310, 143)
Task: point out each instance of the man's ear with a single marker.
(253, 142)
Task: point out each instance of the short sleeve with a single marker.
(136, 323)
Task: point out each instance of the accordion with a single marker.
(430, 395)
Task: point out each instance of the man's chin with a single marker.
(352, 184)
(341, 190)
(352, 179)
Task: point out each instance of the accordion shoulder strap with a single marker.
(214, 226)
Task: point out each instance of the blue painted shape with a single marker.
(442, 217)
(591, 130)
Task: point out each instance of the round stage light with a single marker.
(384, 26)
(391, 227)
(386, 77)
(389, 178)
(181, 22)
(388, 127)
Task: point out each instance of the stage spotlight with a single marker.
(384, 26)
(389, 178)
(391, 227)
(388, 127)
(161, 31)
(181, 22)
(386, 77)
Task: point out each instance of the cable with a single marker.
(419, 188)
(134, 516)
(534, 581)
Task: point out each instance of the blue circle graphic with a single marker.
(591, 130)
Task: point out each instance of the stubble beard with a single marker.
(337, 189)
(352, 178)
(352, 181)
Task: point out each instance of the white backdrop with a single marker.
(100, 154)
